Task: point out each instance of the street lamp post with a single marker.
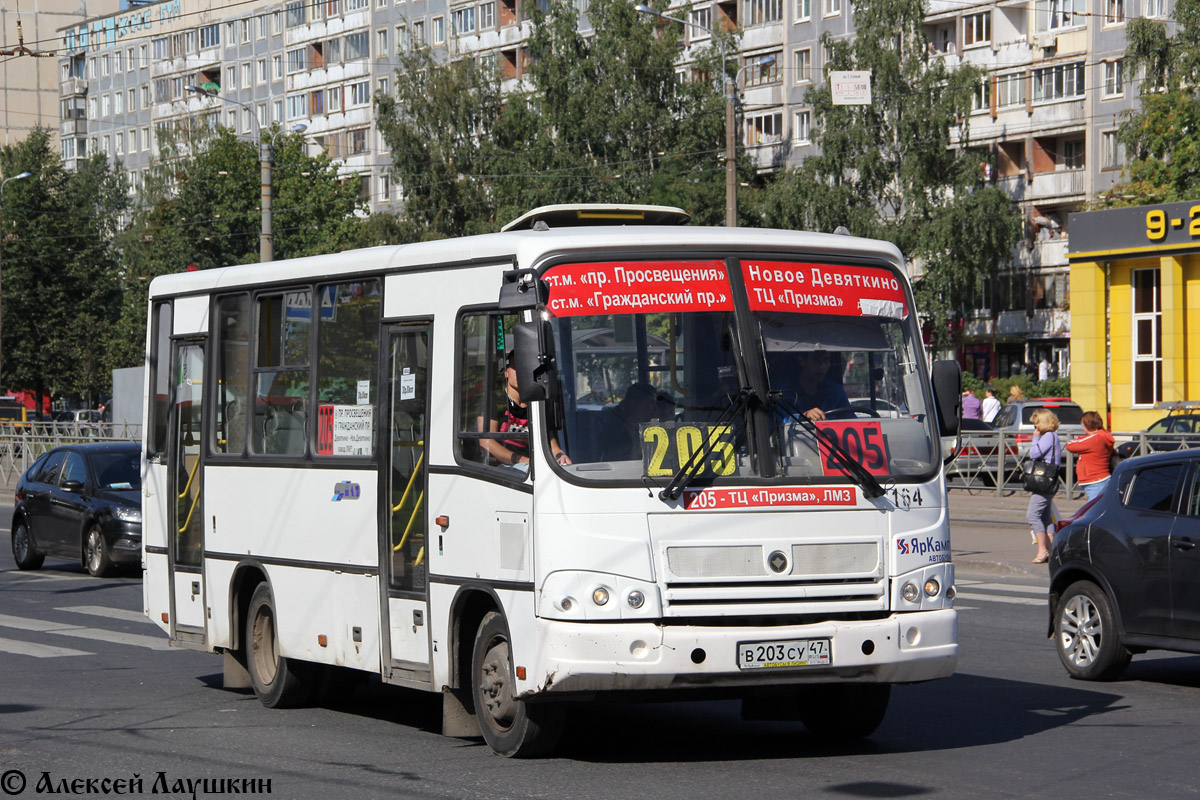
(4, 235)
(266, 145)
(730, 146)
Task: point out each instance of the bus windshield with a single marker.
(723, 368)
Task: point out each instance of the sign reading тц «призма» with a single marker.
(1175, 225)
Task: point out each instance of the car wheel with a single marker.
(95, 553)
(1085, 632)
(278, 682)
(843, 711)
(510, 726)
(24, 552)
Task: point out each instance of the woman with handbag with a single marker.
(1042, 482)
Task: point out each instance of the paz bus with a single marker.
(598, 453)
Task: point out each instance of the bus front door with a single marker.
(186, 470)
(404, 554)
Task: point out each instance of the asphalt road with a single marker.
(91, 692)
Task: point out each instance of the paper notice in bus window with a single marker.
(364, 392)
(638, 287)
(824, 289)
(345, 430)
(408, 385)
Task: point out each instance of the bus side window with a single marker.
(347, 361)
(233, 372)
(482, 397)
(281, 373)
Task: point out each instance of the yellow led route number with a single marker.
(668, 446)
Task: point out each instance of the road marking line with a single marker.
(996, 598)
(42, 576)
(98, 634)
(108, 613)
(1005, 587)
(38, 650)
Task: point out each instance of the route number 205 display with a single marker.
(784, 654)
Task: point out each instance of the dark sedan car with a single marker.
(1125, 572)
(81, 502)
(1169, 433)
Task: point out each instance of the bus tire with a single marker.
(843, 711)
(278, 682)
(25, 553)
(510, 726)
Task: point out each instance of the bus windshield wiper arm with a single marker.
(848, 464)
(690, 468)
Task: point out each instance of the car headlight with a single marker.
(127, 514)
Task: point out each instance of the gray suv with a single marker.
(1014, 419)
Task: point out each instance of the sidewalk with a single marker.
(989, 535)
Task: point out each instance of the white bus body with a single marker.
(322, 490)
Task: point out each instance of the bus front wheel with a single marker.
(843, 711)
(278, 682)
(510, 726)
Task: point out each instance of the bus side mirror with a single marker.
(523, 289)
(533, 359)
(947, 396)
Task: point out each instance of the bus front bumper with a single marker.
(592, 657)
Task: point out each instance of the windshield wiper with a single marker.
(691, 468)
(844, 461)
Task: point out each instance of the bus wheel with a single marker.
(510, 726)
(843, 710)
(24, 552)
(278, 682)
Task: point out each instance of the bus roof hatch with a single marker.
(586, 214)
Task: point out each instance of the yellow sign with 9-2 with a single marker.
(669, 446)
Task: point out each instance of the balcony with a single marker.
(1014, 186)
(68, 128)
(1062, 183)
(72, 87)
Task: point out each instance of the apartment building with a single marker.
(28, 88)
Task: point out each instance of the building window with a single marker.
(1155, 8)
(145, 95)
(487, 16)
(132, 100)
(401, 39)
(761, 12)
(316, 102)
(357, 46)
(129, 60)
(1054, 15)
(247, 76)
(1114, 12)
(462, 21)
(437, 27)
(119, 103)
(357, 140)
(360, 93)
(385, 188)
(1112, 150)
(263, 118)
(803, 10)
(701, 18)
(802, 66)
(418, 32)
(119, 61)
(384, 86)
(833, 8)
(277, 110)
(106, 105)
(295, 14)
(1058, 82)
(296, 60)
(977, 29)
(1114, 78)
(1073, 154)
(764, 129)
(1010, 89)
(1147, 336)
(296, 106)
(759, 74)
(244, 24)
(277, 67)
(981, 97)
(230, 80)
(333, 99)
(260, 26)
(802, 127)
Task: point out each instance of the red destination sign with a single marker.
(638, 287)
(824, 289)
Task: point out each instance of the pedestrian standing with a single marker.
(1015, 395)
(991, 405)
(1094, 450)
(971, 405)
(1040, 513)
(1044, 369)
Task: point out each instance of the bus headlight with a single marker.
(600, 596)
(635, 599)
(910, 592)
(932, 587)
(564, 596)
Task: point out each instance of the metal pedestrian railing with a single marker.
(991, 460)
(21, 443)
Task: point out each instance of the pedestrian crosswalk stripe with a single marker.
(1007, 587)
(38, 650)
(35, 576)
(108, 613)
(96, 634)
(999, 598)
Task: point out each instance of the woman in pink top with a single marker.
(1093, 453)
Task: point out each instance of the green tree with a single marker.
(894, 170)
(62, 277)
(602, 118)
(1162, 136)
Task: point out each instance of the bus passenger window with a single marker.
(282, 373)
(347, 364)
(233, 369)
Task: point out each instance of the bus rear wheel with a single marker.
(510, 726)
(843, 711)
(278, 682)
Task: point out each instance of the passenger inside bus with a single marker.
(620, 435)
(512, 416)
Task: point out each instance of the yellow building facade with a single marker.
(1135, 311)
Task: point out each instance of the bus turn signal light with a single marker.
(321, 640)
